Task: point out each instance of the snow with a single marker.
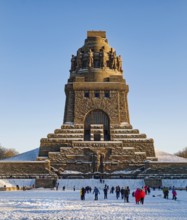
(79, 183)
(166, 157)
(27, 156)
(15, 182)
(39, 204)
(179, 183)
(63, 205)
(70, 172)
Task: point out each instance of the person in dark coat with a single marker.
(105, 191)
(166, 192)
(117, 192)
(82, 193)
(126, 194)
(96, 192)
(112, 190)
(122, 193)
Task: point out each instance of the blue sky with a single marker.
(38, 37)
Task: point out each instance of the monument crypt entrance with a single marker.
(97, 126)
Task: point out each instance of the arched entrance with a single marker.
(97, 117)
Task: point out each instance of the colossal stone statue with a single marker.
(90, 58)
(79, 60)
(119, 63)
(102, 58)
(112, 59)
(73, 63)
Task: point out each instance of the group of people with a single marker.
(88, 189)
(85, 190)
(124, 192)
(165, 191)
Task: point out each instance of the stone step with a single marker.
(124, 131)
(121, 136)
(67, 135)
(122, 126)
(72, 130)
(72, 126)
(75, 130)
(67, 139)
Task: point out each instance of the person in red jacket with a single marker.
(142, 196)
(137, 195)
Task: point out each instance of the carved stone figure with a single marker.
(73, 63)
(90, 58)
(101, 168)
(94, 163)
(119, 63)
(79, 59)
(102, 58)
(112, 59)
(114, 66)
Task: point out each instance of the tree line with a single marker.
(7, 152)
(182, 153)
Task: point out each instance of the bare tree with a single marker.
(6, 153)
(182, 153)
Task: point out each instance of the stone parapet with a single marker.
(23, 168)
(92, 144)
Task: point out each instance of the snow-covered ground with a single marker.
(15, 182)
(40, 204)
(61, 205)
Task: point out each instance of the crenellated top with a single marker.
(96, 54)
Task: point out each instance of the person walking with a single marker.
(96, 192)
(82, 193)
(142, 196)
(166, 192)
(122, 193)
(105, 191)
(137, 195)
(117, 192)
(126, 194)
(174, 193)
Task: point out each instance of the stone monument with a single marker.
(96, 135)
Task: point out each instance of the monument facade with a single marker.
(96, 138)
(96, 135)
